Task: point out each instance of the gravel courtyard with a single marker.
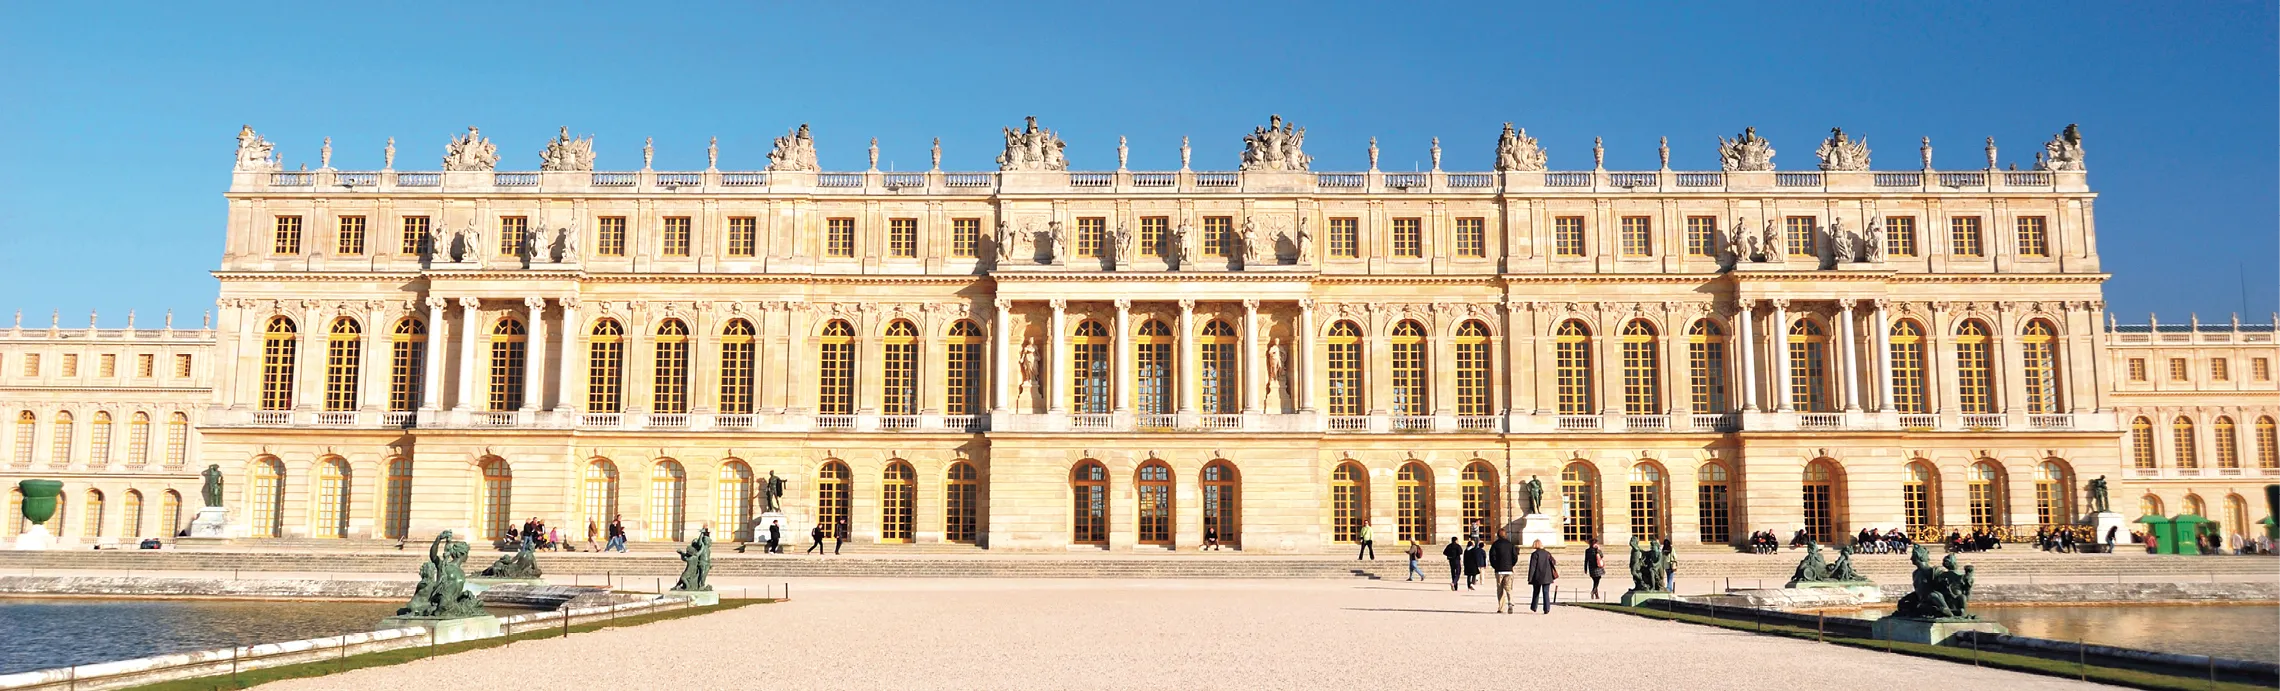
(1029, 634)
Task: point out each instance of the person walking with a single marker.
(1542, 572)
(1594, 565)
(1475, 558)
(617, 535)
(1670, 567)
(1416, 552)
(839, 537)
(591, 533)
(775, 538)
(1456, 555)
(1366, 544)
(1502, 556)
(815, 534)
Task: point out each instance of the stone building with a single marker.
(1039, 358)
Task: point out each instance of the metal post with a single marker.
(2081, 661)
(1820, 626)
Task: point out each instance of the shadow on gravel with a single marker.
(1420, 611)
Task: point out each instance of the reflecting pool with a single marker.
(47, 633)
(2241, 632)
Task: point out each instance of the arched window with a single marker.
(2195, 507)
(1647, 501)
(1472, 368)
(1222, 502)
(962, 504)
(1479, 499)
(1824, 500)
(2149, 505)
(736, 353)
(344, 360)
(1919, 492)
(509, 345)
(27, 433)
(1571, 354)
(2267, 444)
(407, 356)
(2228, 443)
(1642, 369)
(1413, 497)
(898, 381)
(1986, 482)
(99, 440)
(669, 384)
(1088, 483)
(2181, 434)
(962, 373)
(1089, 369)
(1408, 350)
(268, 498)
(732, 499)
(1908, 383)
(1809, 366)
(601, 495)
(1349, 502)
(2038, 353)
(1154, 480)
(2236, 515)
(1579, 503)
(1345, 368)
(170, 510)
(833, 486)
(1221, 378)
(2141, 444)
(60, 442)
(1713, 499)
(498, 505)
(1975, 373)
(2054, 494)
(138, 440)
(898, 493)
(1152, 370)
(177, 440)
(396, 522)
(131, 522)
(668, 495)
(332, 498)
(91, 520)
(605, 370)
(835, 354)
(279, 342)
(1706, 360)
(15, 516)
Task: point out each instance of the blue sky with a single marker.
(116, 122)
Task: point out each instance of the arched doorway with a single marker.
(961, 503)
(1647, 501)
(898, 494)
(831, 493)
(732, 509)
(1349, 502)
(1154, 482)
(1088, 483)
(601, 494)
(1823, 500)
(1713, 494)
(498, 496)
(2054, 494)
(1579, 503)
(1479, 497)
(1919, 500)
(1222, 503)
(333, 501)
(268, 497)
(1988, 491)
(1413, 501)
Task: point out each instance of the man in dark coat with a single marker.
(775, 537)
(1475, 558)
(1542, 571)
(1502, 556)
(1456, 555)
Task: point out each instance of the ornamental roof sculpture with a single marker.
(1747, 152)
(794, 151)
(567, 154)
(1840, 153)
(254, 153)
(2063, 151)
(1032, 148)
(470, 152)
(1275, 147)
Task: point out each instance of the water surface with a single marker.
(48, 633)
(2240, 632)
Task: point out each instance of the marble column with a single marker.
(1254, 398)
(567, 397)
(1122, 352)
(1302, 359)
(1778, 334)
(1183, 374)
(1056, 359)
(1848, 365)
(372, 366)
(467, 358)
(1744, 326)
(1883, 359)
(534, 355)
(1002, 374)
(431, 362)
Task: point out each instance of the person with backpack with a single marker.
(815, 534)
(1416, 552)
(1594, 565)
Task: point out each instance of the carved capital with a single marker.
(1306, 304)
(568, 303)
(1780, 304)
(1187, 305)
(1123, 304)
(1057, 304)
(535, 304)
(470, 303)
(1250, 305)
(436, 303)
(1002, 305)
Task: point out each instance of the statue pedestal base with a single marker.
(787, 535)
(35, 539)
(451, 630)
(211, 521)
(477, 584)
(1636, 598)
(1929, 632)
(2104, 522)
(1538, 527)
(697, 598)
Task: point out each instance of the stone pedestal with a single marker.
(697, 598)
(449, 630)
(1928, 631)
(2104, 521)
(211, 522)
(790, 531)
(1537, 527)
(1635, 598)
(35, 538)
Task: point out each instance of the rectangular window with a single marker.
(1472, 238)
(1963, 237)
(2137, 369)
(1472, 375)
(1345, 237)
(839, 237)
(1900, 236)
(1702, 236)
(351, 239)
(1152, 231)
(965, 237)
(1218, 232)
(70, 365)
(736, 371)
(1408, 237)
(1567, 236)
(902, 237)
(963, 376)
(676, 236)
(1092, 233)
(31, 364)
(415, 241)
(2177, 370)
(2034, 236)
(404, 363)
(512, 230)
(146, 365)
(1799, 235)
(609, 236)
(107, 365)
(2220, 370)
(182, 365)
(2261, 368)
(288, 237)
(743, 236)
(1638, 234)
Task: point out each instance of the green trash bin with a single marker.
(2162, 532)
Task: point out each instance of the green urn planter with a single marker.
(39, 499)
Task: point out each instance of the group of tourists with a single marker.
(1894, 541)
(1978, 540)
(1500, 557)
(534, 535)
(1764, 542)
(2054, 540)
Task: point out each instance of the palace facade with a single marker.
(1039, 358)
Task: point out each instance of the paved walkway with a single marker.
(1029, 634)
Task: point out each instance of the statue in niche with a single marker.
(1012, 244)
(1252, 241)
(1840, 242)
(522, 564)
(2063, 151)
(696, 563)
(1185, 245)
(1032, 148)
(567, 244)
(442, 592)
(1736, 248)
(470, 152)
(1304, 239)
(1029, 366)
(1278, 376)
(567, 154)
(793, 151)
(1515, 150)
(772, 494)
(1277, 146)
(1054, 236)
(1772, 248)
(1872, 244)
(211, 492)
(1841, 153)
(527, 247)
(254, 153)
(1747, 152)
(1123, 238)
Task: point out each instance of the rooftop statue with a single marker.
(697, 563)
(522, 564)
(470, 152)
(567, 154)
(1278, 146)
(254, 153)
(1840, 153)
(1032, 148)
(2064, 150)
(794, 151)
(1747, 152)
(442, 592)
(1515, 150)
(1940, 593)
(1811, 569)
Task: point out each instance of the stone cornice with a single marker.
(1168, 277)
